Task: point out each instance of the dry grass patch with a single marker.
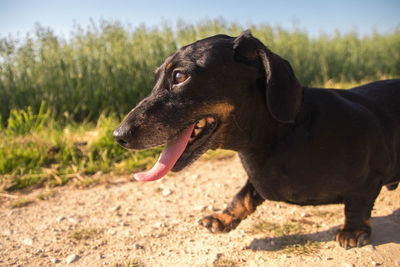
(84, 234)
(21, 202)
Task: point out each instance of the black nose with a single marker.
(122, 136)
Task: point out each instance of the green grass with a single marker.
(303, 246)
(275, 229)
(49, 155)
(324, 213)
(46, 195)
(52, 156)
(288, 238)
(109, 66)
(21, 202)
(83, 234)
(225, 262)
(130, 263)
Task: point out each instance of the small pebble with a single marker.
(54, 260)
(115, 208)
(112, 232)
(73, 220)
(197, 176)
(166, 192)
(200, 208)
(61, 218)
(28, 241)
(72, 258)
(138, 246)
(7, 232)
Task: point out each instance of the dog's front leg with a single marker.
(242, 205)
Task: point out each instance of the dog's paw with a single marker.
(352, 238)
(219, 222)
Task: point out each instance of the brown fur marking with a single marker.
(238, 210)
(168, 66)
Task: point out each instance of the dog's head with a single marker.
(205, 96)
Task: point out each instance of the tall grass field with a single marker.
(61, 98)
(110, 67)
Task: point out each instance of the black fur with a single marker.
(305, 146)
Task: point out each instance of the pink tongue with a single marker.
(167, 159)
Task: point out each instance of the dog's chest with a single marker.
(293, 181)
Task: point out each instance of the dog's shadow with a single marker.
(385, 229)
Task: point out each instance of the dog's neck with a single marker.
(254, 129)
(262, 132)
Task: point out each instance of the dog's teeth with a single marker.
(201, 123)
(210, 120)
(197, 131)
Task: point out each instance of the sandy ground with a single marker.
(124, 223)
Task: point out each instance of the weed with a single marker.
(21, 182)
(324, 213)
(21, 122)
(223, 261)
(22, 202)
(87, 182)
(130, 263)
(288, 238)
(275, 229)
(83, 234)
(302, 246)
(47, 195)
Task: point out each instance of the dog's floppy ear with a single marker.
(283, 90)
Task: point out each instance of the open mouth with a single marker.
(183, 150)
(201, 132)
(198, 142)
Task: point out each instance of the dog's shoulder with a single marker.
(330, 114)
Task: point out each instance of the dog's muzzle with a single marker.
(123, 136)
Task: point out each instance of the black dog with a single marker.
(300, 145)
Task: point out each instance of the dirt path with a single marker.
(155, 224)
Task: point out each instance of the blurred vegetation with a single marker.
(61, 99)
(52, 155)
(109, 67)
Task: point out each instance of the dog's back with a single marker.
(385, 94)
(379, 101)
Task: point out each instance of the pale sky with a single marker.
(314, 16)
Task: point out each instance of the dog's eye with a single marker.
(179, 77)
